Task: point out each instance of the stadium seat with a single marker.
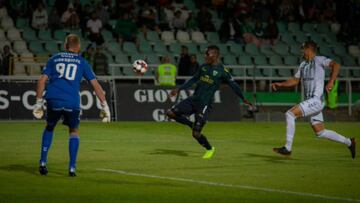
(152, 59)
(130, 48)
(267, 50)
(295, 49)
(160, 48)
(309, 27)
(217, 23)
(349, 60)
(355, 73)
(323, 28)
(22, 23)
(193, 48)
(281, 26)
(108, 36)
(36, 47)
(287, 38)
(236, 49)
(113, 47)
(29, 34)
(152, 36)
(212, 37)
(28, 57)
(183, 37)
(167, 37)
(301, 37)
(317, 38)
(121, 59)
(330, 38)
(284, 72)
(325, 51)
(340, 50)
(3, 43)
(252, 49)
(59, 35)
(203, 47)
(281, 49)
(238, 72)
(200, 58)
(13, 34)
(190, 5)
(145, 47)
(128, 71)
(198, 37)
(250, 72)
(45, 35)
(20, 47)
(224, 50)
(230, 60)
(275, 60)
(294, 27)
(7, 23)
(260, 60)
(52, 47)
(175, 48)
(245, 60)
(354, 50)
(2, 35)
(109, 56)
(19, 69)
(291, 60)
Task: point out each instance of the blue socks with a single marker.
(74, 141)
(45, 146)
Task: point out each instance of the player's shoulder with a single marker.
(321, 58)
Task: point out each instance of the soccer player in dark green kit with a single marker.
(207, 81)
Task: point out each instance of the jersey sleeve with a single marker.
(326, 61)
(48, 68)
(231, 82)
(88, 73)
(298, 72)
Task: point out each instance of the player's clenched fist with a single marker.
(38, 111)
(275, 85)
(174, 92)
(105, 113)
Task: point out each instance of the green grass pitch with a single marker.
(160, 162)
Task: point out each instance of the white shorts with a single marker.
(313, 107)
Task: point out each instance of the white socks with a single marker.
(331, 135)
(290, 129)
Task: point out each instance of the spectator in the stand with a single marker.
(85, 17)
(100, 66)
(272, 31)
(191, 23)
(184, 62)
(230, 30)
(104, 16)
(70, 18)
(260, 11)
(166, 72)
(286, 11)
(78, 7)
(126, 29)
(148, 17)
(329, 12)
(61, 6)
(300, 12)
(18, 8)
(194, 65)
(54, 19)
(246, 31)
(3, 10)
(88, 54)
(241, 9)
(204, 18)
(7, 64)
(178, 22)
(40, 18)
(259, 31)
(94, 26)
(123, 6)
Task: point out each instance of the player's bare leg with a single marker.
(179, 118)
(74, 140)
(291, 115)
(321, 132)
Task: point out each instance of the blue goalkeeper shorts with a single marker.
(70, 117)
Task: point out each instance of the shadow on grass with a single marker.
(23, 168)
(271, 158)
(169, 152)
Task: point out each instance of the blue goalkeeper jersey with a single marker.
(65, 71)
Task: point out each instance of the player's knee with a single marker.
(50, 127)
(290, 115)
(320, 133)
(74, 131)
(196, 134)
(170, 113)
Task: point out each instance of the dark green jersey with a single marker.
(208, 80)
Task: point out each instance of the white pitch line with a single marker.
(247, 187)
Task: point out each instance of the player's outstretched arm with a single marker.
(38, 111)
(105, 110)
(288, 83)
(186, 85)
(335, 69)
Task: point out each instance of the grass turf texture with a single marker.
(244, 157)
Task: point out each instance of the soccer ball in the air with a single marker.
(140, 66)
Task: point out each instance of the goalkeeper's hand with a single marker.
(105, 112)
(38, 111)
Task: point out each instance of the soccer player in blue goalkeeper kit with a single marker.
(64, 72)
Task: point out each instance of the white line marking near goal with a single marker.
(247, 187)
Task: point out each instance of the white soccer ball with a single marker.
(140, 66)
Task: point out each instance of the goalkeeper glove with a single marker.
(38, 111)
(105, 113)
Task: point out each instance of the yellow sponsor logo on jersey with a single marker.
(207, 79)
